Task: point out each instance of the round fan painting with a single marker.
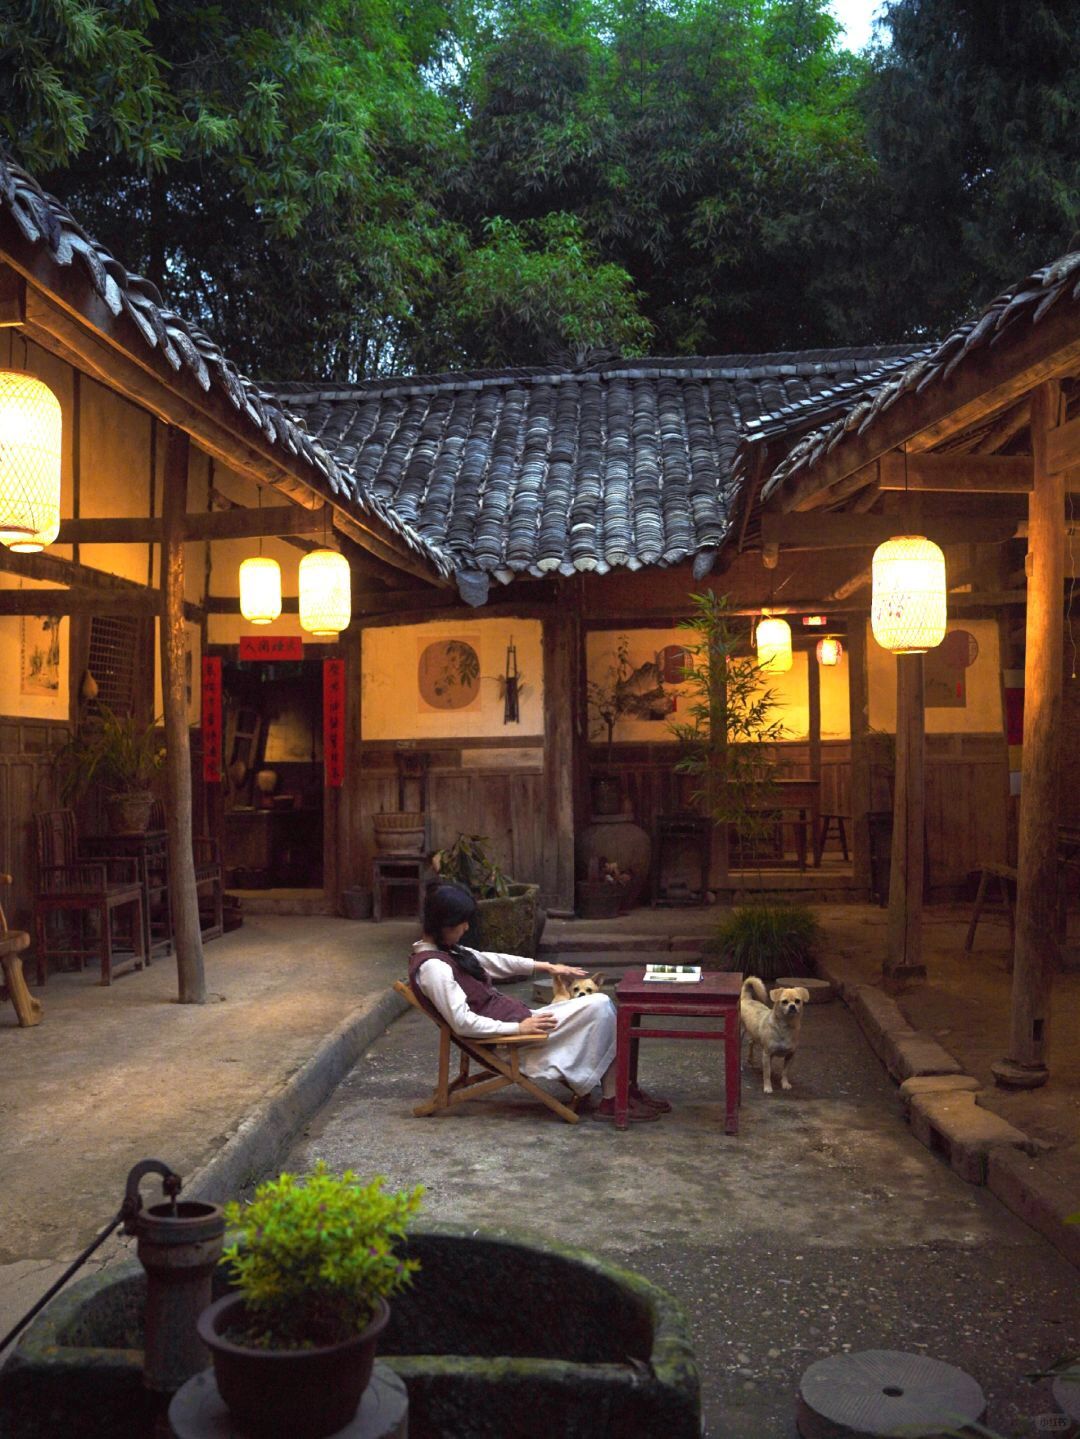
(449, 675)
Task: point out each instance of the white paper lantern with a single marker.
(908, 607)
(260, 590)
(325, 594)
(30, 430)
(829, 651)
(773, 645)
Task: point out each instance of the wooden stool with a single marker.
(397, 871)
(12, 943)
(827, 822)
(1003, 875)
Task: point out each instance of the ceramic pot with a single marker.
(128, 813)
(618, 840)
(299, 1393)
(357, 902)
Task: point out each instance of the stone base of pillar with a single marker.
(1010, 1075)
(895, 979)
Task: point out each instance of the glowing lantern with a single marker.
(325, 594)
(829, 651)
(773, 645)
(260, 590)
(29, 463)
(907, 610)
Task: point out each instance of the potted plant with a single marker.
(313, 1262)
(125, 756)
(509, 918)
(769, 940)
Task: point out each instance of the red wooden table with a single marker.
(714, 996)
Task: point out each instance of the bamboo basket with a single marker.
(400, 832)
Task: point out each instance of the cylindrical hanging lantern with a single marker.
(773, 645)
(29, 463)
(260, 590)
(908, 609)
(829, 651)
(325, 594)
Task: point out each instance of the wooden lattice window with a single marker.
(113, 659)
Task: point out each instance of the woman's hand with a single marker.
(538, 1024)
(568, 971)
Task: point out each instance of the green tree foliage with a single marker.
(974, 112)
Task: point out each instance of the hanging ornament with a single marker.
(30, 429)
(511, 695)
(773, 644)
(829, 651)
(325, 594)
(260, 590)
(908, 607)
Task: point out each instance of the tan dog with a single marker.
(775, 1031)
(562, 990)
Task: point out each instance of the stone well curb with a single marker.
(942, 1104)
(262, 1136)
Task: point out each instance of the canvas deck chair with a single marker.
(496, 1073)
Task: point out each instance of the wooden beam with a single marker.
(859, 723)
(1035, 951)
(986, 382)
(183, 895)
(817, 531)
(12, 298)
(85, 579)
(904, 950)
(1063, 447)
(78, 602)
(230, 605)
(235, 524)
(969, 474)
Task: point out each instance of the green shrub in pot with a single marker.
(769, 940)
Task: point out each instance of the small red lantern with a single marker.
(829, 651)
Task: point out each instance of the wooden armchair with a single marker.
(69, 884)
(497, 1073)
(12, 943)
(209, 877)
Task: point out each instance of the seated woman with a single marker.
(457, 983)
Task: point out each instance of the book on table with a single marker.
(673, 973)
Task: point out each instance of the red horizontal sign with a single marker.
(271, 647)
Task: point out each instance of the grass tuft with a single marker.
(769, 940)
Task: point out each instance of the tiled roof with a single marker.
(560, 470)
(43, 220)
(1023, 306)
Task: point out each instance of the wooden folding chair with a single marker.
(498, 1072)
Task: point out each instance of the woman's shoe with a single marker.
(636, 1113)
(651, 1101)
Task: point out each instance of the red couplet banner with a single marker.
(211, 718)
(271, 647)
(334, 722)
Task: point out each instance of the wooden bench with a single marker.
(497, 1072)
(1003, 877)
(827, 822)
(12, 943)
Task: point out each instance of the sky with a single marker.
(856, 16)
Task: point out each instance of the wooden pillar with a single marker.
(182, 893)
(904, 959)
(813, 700)
(859, 724)
(350, 805)
(1025, 1065)
(562, 644)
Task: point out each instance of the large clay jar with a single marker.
(617, 839)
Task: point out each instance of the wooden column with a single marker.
(350, 805)
(859, 723)
(1025, 1065)
(562, 644)
(813, 700)
(183, 896)
(904, 959)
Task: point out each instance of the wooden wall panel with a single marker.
(27, 784)
(967, 787)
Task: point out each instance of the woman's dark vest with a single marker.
(480, 994)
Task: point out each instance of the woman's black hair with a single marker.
(446, 905)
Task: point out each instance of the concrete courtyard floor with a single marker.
(823, 1226)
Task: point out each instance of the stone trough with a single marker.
(498, 1335)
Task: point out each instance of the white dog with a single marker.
(775, 1031)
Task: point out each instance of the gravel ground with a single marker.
(823, 1227)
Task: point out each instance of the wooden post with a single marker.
(182, 893)
(813, 700)
(859, 723)
(1025, 1065)
(562, 642)
(904, 959)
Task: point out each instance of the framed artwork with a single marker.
(448, 676)
(945, 670)
(40, 651)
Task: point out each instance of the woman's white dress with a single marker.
(577, 1052)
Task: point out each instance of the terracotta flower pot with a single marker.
(299, 1393)
(129, 813)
